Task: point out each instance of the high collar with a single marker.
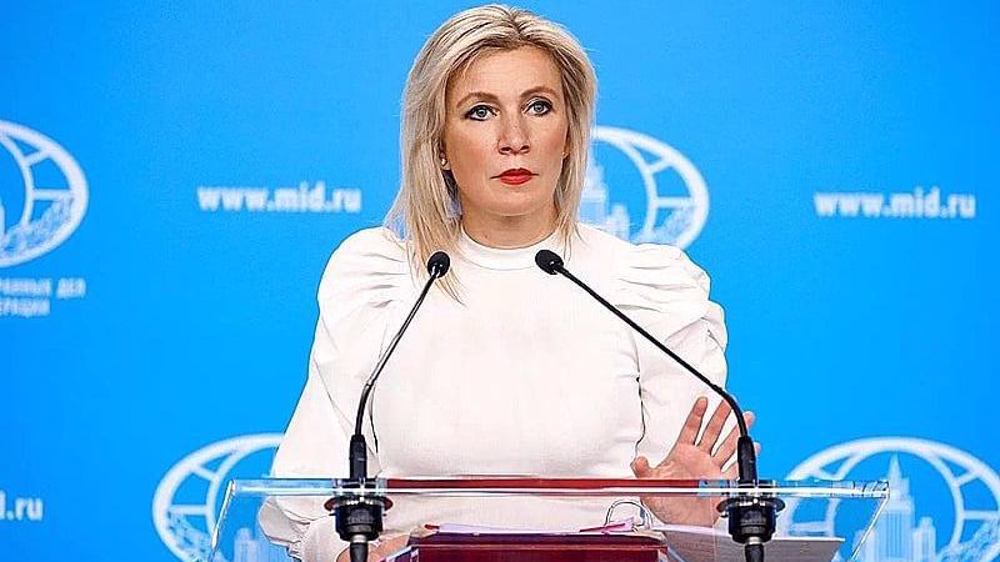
(504, 258)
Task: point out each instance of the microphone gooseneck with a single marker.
(752, 519)
(551, 263)
(359, 516)
(437, 265)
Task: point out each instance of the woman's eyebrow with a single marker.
(539, 90)
(486, 96)
(477, 95)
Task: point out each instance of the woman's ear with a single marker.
(443, 159)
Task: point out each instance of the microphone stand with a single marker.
(752, 518)
(359, 514)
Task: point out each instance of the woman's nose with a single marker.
(514, 137)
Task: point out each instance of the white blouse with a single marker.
(525, 375)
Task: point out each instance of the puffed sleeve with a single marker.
(666, 293)
(367, 277)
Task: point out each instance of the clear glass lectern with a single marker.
(555, 519)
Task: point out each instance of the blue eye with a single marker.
(480, 113)
(540, 107)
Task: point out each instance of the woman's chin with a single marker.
(523, 211)
(513, 202)
(527, 202)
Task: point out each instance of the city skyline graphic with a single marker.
(898, 535)
(895, 537)
(253, 546)
(186, 526)
(53, 203)
(674, 219)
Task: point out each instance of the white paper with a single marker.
(707, 544)
(461, 529)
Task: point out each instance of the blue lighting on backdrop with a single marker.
(173, 176)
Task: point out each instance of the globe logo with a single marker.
(675, 203)
(957, 499)
(189, 496)
(47, 206)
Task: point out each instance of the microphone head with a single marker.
(549, 261)
(438, 264)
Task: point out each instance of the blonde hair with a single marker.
(426, 208)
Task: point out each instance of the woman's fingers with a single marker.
(728, 446)
(640, 467)
(714, 427)
(693, 423)
(726, 449)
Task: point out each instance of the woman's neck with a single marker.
(510, 232)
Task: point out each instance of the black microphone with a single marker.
(359, 517)
(751, 519)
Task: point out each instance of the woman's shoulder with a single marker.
(371, 259)
(374, 240)
(644, 262)
(657, 280)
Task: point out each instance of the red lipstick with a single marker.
(515, 176)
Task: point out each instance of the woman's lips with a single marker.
(515, 180)
(516, 176)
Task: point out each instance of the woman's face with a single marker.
(505, 136)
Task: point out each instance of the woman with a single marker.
(505, 370)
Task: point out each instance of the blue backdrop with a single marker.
(174, 175)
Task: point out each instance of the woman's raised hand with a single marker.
(694, 459)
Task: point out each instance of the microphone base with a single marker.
(752, 521)
(359, 518)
